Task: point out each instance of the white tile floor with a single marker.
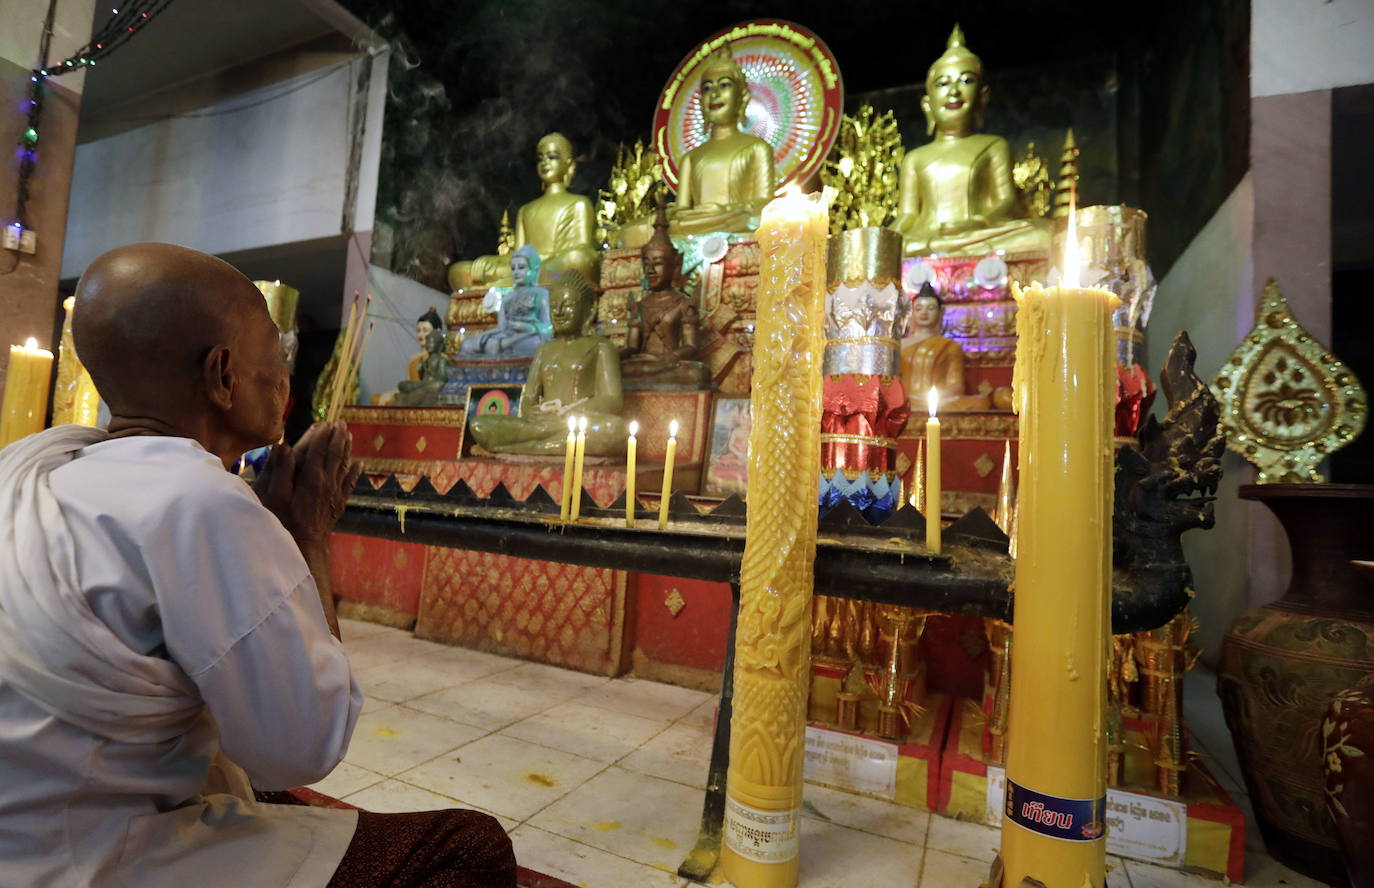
(599, 781)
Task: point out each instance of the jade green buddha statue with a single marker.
(957, 196)
(559, 224)
(575, 374)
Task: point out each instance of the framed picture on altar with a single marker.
(488, 400)
(727, 451)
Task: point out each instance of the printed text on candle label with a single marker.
(764, 836)
(1138, 826)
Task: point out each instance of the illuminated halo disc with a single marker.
(493, 403)
(796, 97)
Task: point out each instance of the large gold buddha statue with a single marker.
(558, 223)
(957, 196)
(724, 182)
(576, 374)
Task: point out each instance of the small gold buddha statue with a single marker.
(432, 371)
(931, 360)
(559, 224)
(957, 196)
(724, 182)
(575, 374)
(662, 340)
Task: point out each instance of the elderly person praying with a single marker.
(167, 634)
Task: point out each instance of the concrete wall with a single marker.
(1304, 45)
(397, 302)
(1276, 223)
(1209, 292)
(263, 168)
(28, 283)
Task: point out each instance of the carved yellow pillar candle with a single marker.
(579, 455)
(773, 639)
(934, 489)
(569, 451)
(26, 391)
(1054, 826)
(85, 402)
(630, 448)
(668, 460)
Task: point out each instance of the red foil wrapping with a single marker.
(1135, 392)
(866, 406)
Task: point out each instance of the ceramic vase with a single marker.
(1282, 664)
(1348, 763)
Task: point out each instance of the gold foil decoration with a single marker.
(629, 194)
(1032, 179)
(1287, 402)
(861, 173)
(73, 393)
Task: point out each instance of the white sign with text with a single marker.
(853, 763)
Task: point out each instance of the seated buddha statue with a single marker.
(930, 360)
(432, 371)
(724, 182)
(522, 315)
(957, 197)
(662, 340)
(559, 224)
(577, 373)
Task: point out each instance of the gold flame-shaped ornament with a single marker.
(1287, 402)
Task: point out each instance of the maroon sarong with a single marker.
(427, 849)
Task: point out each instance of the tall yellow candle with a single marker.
(630, 447)
(1064, 387)
(25, 405)
(773, 639)
(579, 454)
(565, 502)
(668, 460)
(933, 488)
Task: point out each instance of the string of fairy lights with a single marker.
(126, 19)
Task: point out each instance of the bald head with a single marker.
(181, 338)
(147, 314)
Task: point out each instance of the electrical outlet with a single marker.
(28, 241)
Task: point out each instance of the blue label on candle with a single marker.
(1073, 820)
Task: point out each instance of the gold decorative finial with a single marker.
(505, 238)
(1066, 190)
(1287, 402)
(957, 51)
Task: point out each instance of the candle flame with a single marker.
(790, 191)
(672, 429)
(572, 424)
(634, 428)
(933, 399)
(582, 425)
(30, 343)
(1068, 277)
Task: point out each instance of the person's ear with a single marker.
(217, 374)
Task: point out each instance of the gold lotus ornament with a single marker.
(1287, 402)
(860, 174)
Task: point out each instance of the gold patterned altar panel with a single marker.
(560, 614)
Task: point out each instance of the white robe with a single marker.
(153, 613)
